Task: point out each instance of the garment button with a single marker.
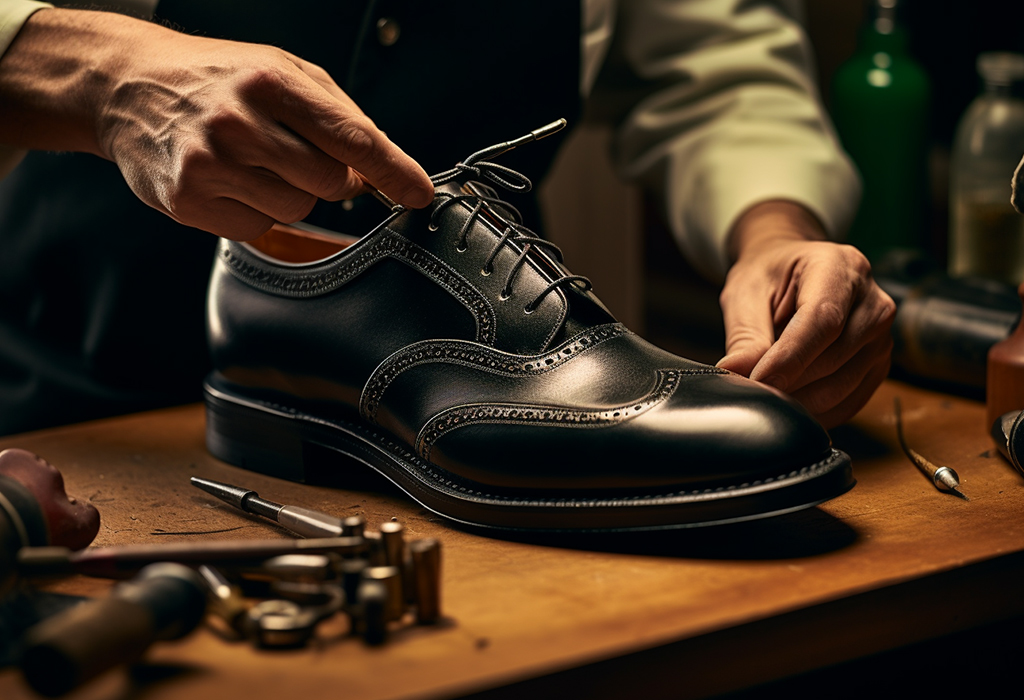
(387, 31)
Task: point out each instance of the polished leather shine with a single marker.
(507, 402)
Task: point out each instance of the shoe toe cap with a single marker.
(710, 430)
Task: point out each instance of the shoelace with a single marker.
(485, 198)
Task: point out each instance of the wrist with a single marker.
(59, 73)
(769, 223)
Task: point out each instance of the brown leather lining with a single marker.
(296, 245)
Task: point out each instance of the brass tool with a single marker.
(944, 478)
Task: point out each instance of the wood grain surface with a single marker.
(723, 608)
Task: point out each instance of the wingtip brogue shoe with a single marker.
(450, 350)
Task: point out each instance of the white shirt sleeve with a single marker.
(13, 14)
(717, 110)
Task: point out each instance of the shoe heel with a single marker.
(255, 440)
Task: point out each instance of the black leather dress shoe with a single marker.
(451, 351)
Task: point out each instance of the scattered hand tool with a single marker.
(301, 521)
(70, 522)
(123, 561)
(36, 511)
(287, 623)
(944, 478)
(226, 601)
(165, 601)
(413, 573)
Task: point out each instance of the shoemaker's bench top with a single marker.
(687, 613)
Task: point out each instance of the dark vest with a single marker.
(102, 298)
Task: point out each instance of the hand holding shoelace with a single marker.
(224, 136)
(803, 314)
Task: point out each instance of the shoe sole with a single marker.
(278, 441)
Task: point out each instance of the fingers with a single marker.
(868, 324)
(341, 131)
(821, 315)
(822, 396)
(836, 349)
(749, 327)
(807, 318)
(855, 401)
(230, 218)
(238, 139)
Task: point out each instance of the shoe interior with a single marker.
(301, 243)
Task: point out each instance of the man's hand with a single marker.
(804, 315)
(224, 136)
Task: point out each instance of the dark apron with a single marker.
(102, 298)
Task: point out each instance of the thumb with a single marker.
(749, 333)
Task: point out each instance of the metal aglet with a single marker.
(538, 134)
(535, 135)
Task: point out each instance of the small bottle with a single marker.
(986, 233)
(879, 103)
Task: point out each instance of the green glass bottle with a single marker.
(879, 103)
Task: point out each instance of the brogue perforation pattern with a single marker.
(303, 283)
(527, 414)
(486, 359)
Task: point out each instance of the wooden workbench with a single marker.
(685, 613)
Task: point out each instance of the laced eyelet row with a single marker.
(484, 198)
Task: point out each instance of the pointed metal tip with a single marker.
(946, 479)
(235, 495)
(548, 129)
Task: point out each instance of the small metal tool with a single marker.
(944, 478)
(426, 567)
(285, 623)
(301, 521)
(226, 601)
(371, 620)
(376, 554)
(391, 578)
(353, 526)
(298, 568)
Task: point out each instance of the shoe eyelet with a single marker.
(432, 226)
(527, 310)
(484, 272)
(461, 249)
(502, 296)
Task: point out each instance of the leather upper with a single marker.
(406, 329)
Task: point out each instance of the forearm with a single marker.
(58, 71)
(728, 122)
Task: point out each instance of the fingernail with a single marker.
(417, 197)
